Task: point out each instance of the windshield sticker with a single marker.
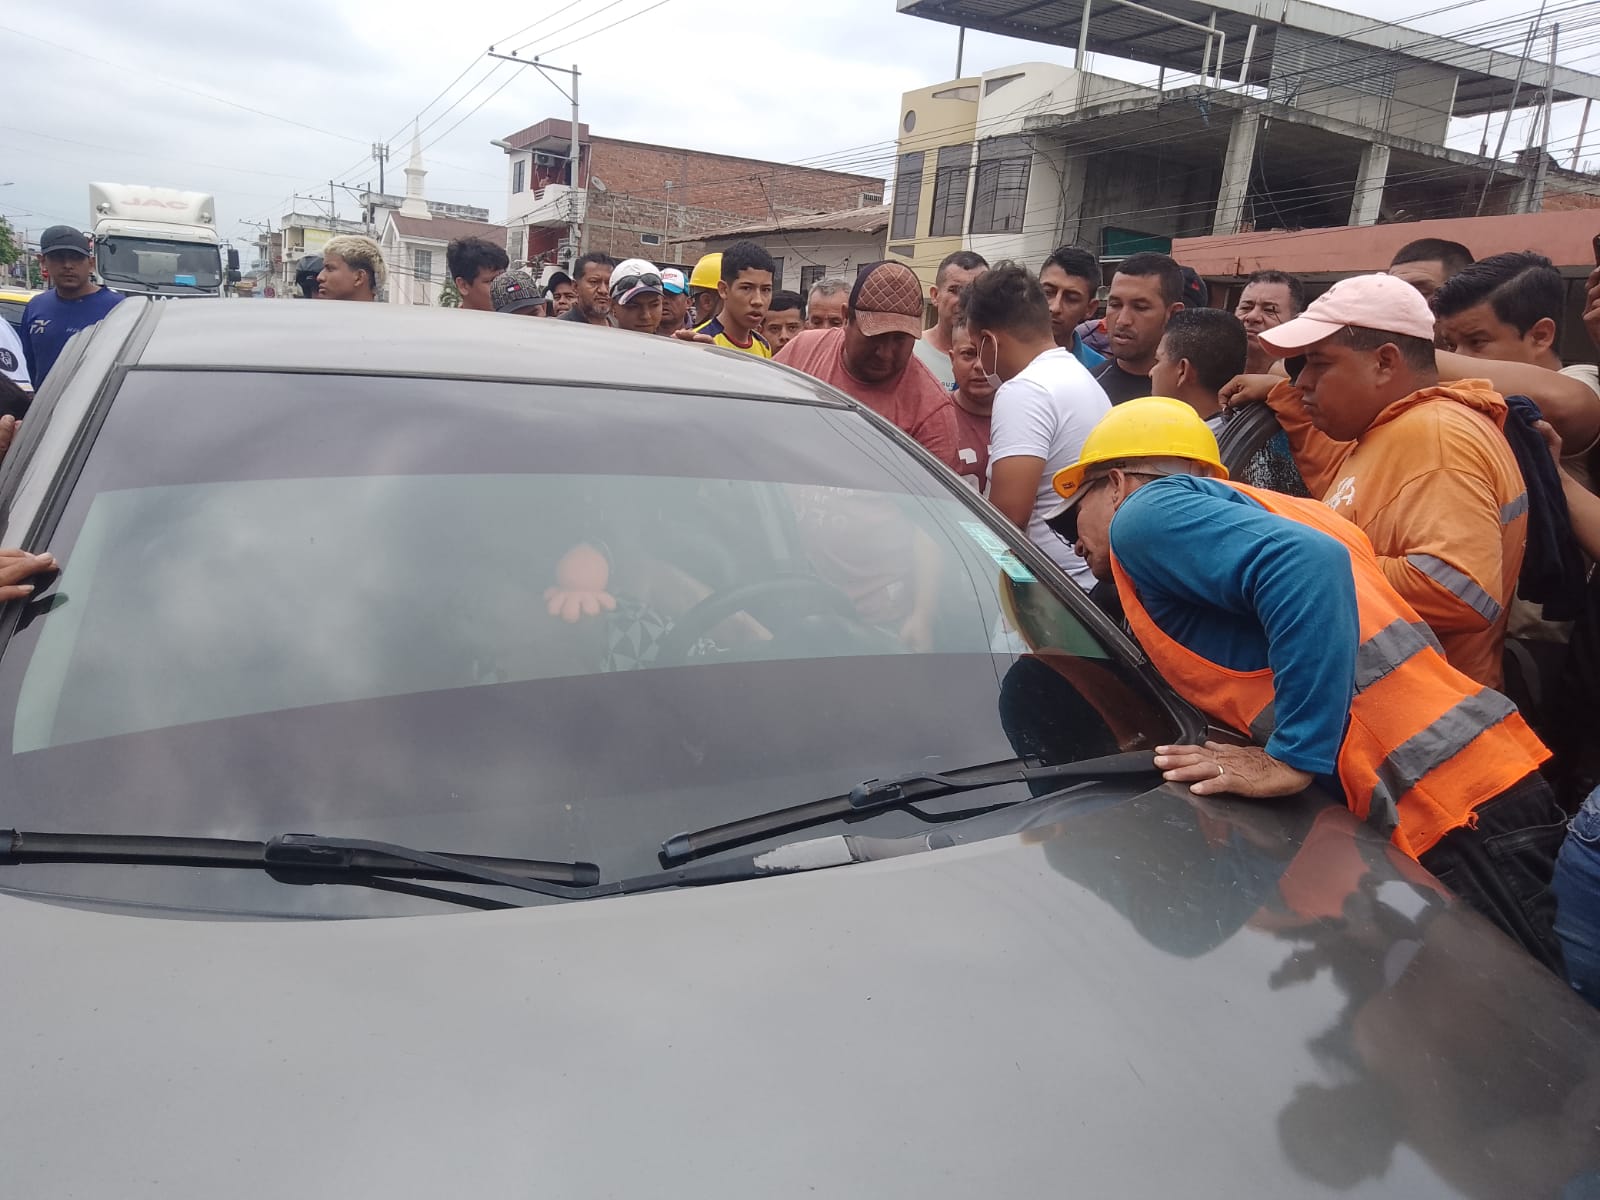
(996, 549)
(184, 279)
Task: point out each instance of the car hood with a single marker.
(1153, 997)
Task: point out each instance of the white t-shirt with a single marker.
(12, 364)
(1576, 458)
(1046, 412)
(935, 360)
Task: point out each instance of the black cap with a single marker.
(1195, 292)
(63, 237)
(556, 280)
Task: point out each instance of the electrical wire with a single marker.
(80, 54)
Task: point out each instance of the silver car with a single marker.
(469, 755)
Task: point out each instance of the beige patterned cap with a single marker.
(887, 298)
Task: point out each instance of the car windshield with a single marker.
(321, 604)
(151, 264)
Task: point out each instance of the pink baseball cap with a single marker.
(1379, 302)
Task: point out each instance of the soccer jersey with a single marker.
(714, 330)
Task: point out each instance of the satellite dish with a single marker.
(598, 184)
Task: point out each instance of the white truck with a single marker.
(152, 241)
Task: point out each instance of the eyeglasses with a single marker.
(1065, 526)
(628, 282)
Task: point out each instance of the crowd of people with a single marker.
(1391, 593)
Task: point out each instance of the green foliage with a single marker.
(449, 297)
(10, 244)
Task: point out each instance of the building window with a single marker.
(777, 273)
(808, 279)
(907, 196)
(1000, 199)
(950, 191)
(514, 244)
(519, 175)
(422, 272)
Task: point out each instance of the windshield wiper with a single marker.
(302, 852)
(150, 284)
(876, 794)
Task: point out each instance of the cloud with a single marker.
(807, 80)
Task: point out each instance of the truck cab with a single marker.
(152, 241)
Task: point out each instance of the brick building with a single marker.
(634, 199)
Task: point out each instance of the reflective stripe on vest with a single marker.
(1458, 584)
(1514, 510)
(1409, 762)
(1429, 749)
(1380, 655)
(1423, 746)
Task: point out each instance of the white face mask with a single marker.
(994, 380)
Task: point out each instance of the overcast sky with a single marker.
(160, 92)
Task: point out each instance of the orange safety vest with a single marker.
(1425, 744)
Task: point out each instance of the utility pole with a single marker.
(575, 156)
(380, 155)
(1537, 203)
(1516, 87)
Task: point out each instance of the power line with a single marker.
(604, 28)
(79, 53)
(561, 28)
(863, 157)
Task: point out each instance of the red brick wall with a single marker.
(737, 187)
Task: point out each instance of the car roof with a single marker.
(326, 337)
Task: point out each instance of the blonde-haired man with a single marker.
(352, 268)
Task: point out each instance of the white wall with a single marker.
(1054, 183)
(838, 252)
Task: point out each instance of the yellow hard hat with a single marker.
(1151, 427)
(707, 273)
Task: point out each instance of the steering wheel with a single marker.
(779, 595)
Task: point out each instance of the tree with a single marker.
(449, 297)
(10, 247)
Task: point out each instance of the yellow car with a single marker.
(12, 302)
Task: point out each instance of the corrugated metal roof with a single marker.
(1484, 76)
(447, 229)
(1562, 237)
(849, 220)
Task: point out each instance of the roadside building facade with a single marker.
(805, 249)
(415, 236)
(1303, 118)
(637, 200)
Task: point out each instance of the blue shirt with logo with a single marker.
(48, 321)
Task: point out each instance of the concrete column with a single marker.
(1370, 180)
(1236, 164)
(1526, 198)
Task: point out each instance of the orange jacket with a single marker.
(1434, 486)
(1425, 745)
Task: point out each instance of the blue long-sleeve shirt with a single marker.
(1246, 589)
(48, 321)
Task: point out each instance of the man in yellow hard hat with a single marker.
(705, 301)
(1271, 615)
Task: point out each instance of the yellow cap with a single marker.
(1152, 427)
(707, 273)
